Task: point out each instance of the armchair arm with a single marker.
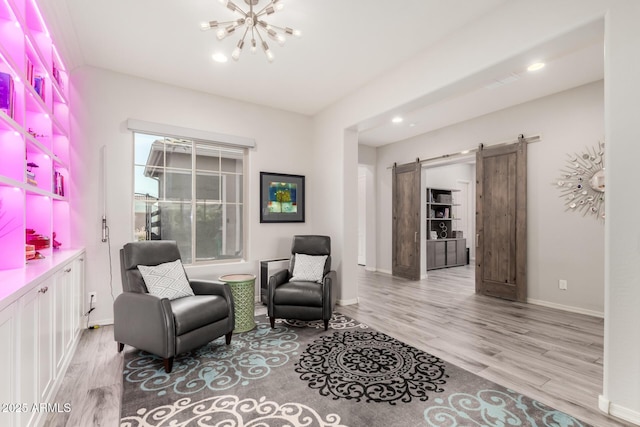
(145, 322)
(329, 282)
(209, 287)
(279, 277)
(276, 279)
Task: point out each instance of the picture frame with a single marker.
(282, 197)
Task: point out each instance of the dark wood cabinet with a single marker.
(445, 246)
(446, 253)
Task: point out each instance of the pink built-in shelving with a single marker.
(34, 135)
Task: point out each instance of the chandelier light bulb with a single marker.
(291, 32)
(208, 25)
(267, 51)
(235, 55)
(221, 34)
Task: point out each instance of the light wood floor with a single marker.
(550, 355)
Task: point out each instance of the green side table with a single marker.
(243, 291)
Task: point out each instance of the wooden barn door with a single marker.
(406, 221)
(501, 221)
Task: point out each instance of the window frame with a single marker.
(240, 236)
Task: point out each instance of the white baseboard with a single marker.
(380, 270)
(102, 322)
(618, 411)
(566, 308)
(347, 301)
(372, 269)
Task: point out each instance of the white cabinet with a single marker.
(36, 343)
(69, 283)
(41, 329)
(8, 362)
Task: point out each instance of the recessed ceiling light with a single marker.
(397, 119)
(411, 125)
(535, 66)
(220, 57)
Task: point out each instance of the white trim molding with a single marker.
(347, 301)
(569, 308)
(182, 132)
(615, 410)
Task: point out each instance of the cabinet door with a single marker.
(462, 251)
(28, 361)
(8, 363)
(440, 254)
(61, 319)
(452, 253)
(36, 371)
(431, 255)
(45, 340)
(77, 291)
(67, 274)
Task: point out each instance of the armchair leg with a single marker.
(168, 364)
(273, 322)
(120, 347)
(228, 337)
(326, 324)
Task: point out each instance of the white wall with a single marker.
(103, 101)
(367, 165)
(621, 394)
(561, 245)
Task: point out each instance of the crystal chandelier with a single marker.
(253, 24)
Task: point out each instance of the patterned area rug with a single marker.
(299, 375)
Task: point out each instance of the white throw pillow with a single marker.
(166, 280)
(308, 268)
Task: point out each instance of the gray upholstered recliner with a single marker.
(303, 300)
(166, 327)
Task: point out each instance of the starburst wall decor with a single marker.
(582, 181)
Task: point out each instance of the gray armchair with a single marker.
(161, 326)
(303, 300)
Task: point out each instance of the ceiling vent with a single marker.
(503, 81)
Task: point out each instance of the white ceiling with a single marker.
(345, 45)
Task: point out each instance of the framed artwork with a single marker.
(281, 197)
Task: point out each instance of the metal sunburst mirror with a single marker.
(582, 181)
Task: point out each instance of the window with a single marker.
(189, 191)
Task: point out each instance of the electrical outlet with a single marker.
(562, 284)
(93, 299)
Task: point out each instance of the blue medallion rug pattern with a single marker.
(297, 374)
(215, 366)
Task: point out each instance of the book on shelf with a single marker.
(38, 85)
(56, 76)
(446, 213)
(7, 94)
(58, 182)
(29, 69)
